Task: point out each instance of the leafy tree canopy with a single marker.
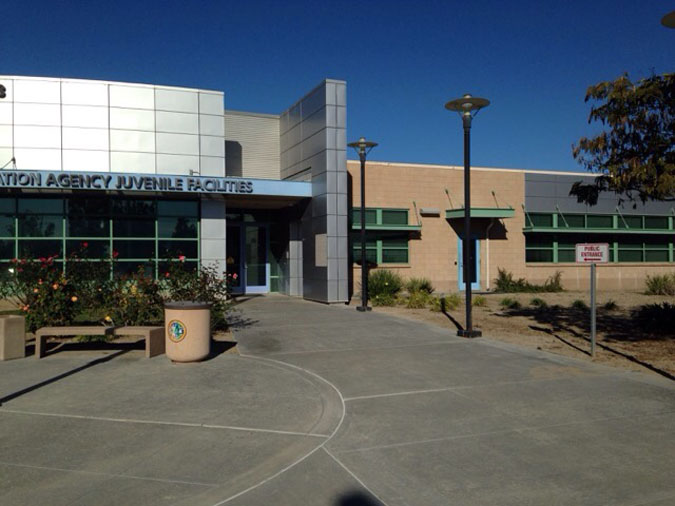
(635, 157)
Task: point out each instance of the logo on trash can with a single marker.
(177, 331)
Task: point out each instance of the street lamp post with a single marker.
(467, 107)
(363, 147)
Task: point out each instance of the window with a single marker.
(382, 249)
(551, 248)
(380, 216)
(541, 220)
(137, 232)
(599, 221)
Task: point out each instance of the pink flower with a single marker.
(181, 258)
(234, 276)
(85, 244)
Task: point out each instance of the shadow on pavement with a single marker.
(357, 498)
(61, 376)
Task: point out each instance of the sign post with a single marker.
(592, 253)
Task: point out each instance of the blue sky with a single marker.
(402, 61)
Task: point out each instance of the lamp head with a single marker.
(362, 146)
(467, 105)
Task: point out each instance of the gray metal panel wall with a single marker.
(543, 192)
(313, 148)
(213, 232)
(100, 126)
(252, 145)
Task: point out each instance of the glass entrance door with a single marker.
(247, 258)
(474, 265)
(256, 265)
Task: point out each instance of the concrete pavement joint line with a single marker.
(455, 388)
(301, 459)
(517, 430)
(110, 475)
(354, 476)
(366, 348)
(163, 422)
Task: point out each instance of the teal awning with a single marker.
(481, 212)
(389, 228)
(616, 231)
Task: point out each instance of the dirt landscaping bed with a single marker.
(565, 330)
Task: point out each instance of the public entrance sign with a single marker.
(592, 253)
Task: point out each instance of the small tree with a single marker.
(636, 156)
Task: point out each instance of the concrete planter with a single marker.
(12, 337)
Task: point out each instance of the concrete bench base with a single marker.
(12, 337)
(154, 336)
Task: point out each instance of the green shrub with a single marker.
(415, 285)
(610, 305)
(509, 303)
(446, 302)
(506, 284)
(418, 300)
(660, 284)
(44, 294)
(538, 303)
(206, 284)
(383, 300)
(134, 299)
(579, 304)
(479, 301)
(656, 317)
(384, 283)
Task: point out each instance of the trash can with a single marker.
(187, 330)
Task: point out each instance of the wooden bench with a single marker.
(154, 336)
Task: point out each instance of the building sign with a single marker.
(592, 253)
(123, 182)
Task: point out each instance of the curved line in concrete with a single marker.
(304, 457)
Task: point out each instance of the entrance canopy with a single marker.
(481, 212)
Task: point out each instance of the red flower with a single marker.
(85, 244)
(115, 253)
(166, 274)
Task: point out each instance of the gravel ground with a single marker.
(564, 330)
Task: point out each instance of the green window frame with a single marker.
(623, 248)
(589, 221)
(149, 232)
(381, 216)
(385, 249)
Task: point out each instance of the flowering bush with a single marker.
(206, 284)
(87, 292)
(132, 299)
(43, 293)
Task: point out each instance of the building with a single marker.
(146, 174)
(523, 221)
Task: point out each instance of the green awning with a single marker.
(481, 212)
(390, 228)
(616, 231)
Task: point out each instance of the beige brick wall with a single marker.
(434, 253)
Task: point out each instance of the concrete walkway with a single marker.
(328, 406)
(432, 419)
